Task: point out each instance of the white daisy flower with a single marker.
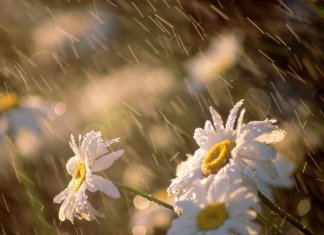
(221, 54)
(222, 207)
(91, 155)
(211, 135)
(248, 146)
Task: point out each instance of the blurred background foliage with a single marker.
(147, 71)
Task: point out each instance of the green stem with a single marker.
(274, 228)
(284, 214)
(145, 195)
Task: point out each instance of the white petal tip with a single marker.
(113, 194)
(116, 139)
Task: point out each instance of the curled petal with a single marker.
(240, 121)
(232, 116)
(71, 164)
(106, 186)
(106, 160)
(61, 196)
(110, 142)
(209, 128)
(85, 209)
(75, 148)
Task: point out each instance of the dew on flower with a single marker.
(214, 110)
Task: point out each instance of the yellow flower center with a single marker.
(8, 101)
(161, 195)
(211, 216)
(217, 157)
(79, 175)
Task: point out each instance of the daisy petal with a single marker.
(75, 148)
(71, 164)
(61, 196)
(255, 150)
(240, 227)
(239, 206)
(106, 186)
(217, 119)
(106, 160)
(254, 129)
(240, 121)
(232, 116)
(92, 146)
(200, 137)
(209, 128)
(182, 226)
(110, 142)
(187, 207)
(284, 169)
(272, 137)
(67, 209)
(85, 209)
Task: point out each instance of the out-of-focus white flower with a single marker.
(91, 155)
(77, 32)
(247, 146)
(149, 216)
(222, 207)
(220, 55)
(21, 113)
(139, 82)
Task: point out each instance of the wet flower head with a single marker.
(91, 155)
(248, 147)
(222, 205)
